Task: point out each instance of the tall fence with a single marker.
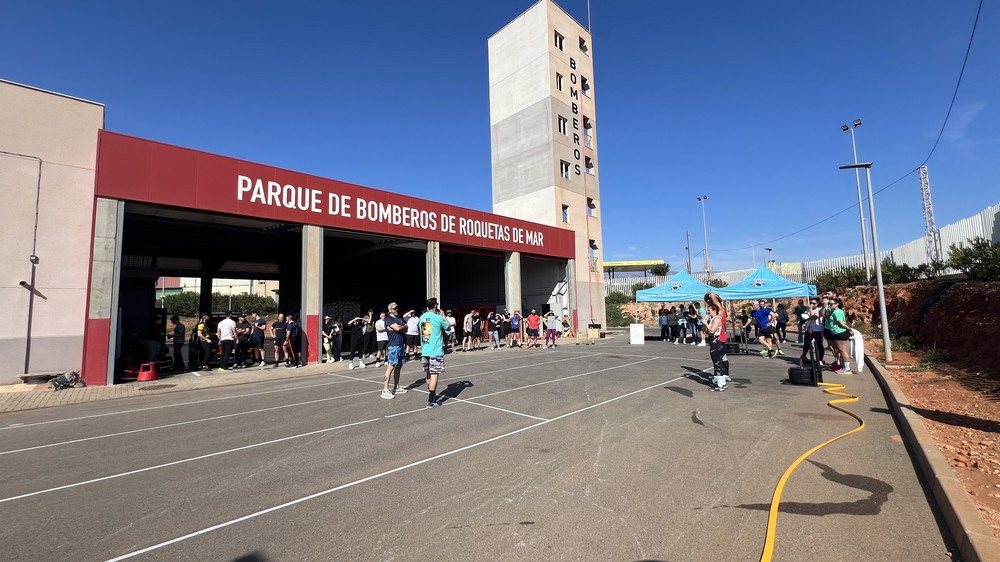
(984, 224)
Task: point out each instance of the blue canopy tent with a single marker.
(679, 288)
(763, 283)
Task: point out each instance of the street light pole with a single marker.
(861, 209)
(887, 346)
(769, 260)
(704, 221)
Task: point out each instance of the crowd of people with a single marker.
(821, 321)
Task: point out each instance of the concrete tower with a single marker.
(543, 137)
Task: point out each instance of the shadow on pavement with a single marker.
(453, 390)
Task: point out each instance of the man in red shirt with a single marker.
(534, 324)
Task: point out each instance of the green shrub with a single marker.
(641, 286)
(613, 310)
(660, 269)
(902, 343)
(935, 356)
(979, 259)
(848, 276)
(717, 283)
(187, 303)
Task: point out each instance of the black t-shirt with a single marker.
(357, 330)
(279, 330)
(243, 330)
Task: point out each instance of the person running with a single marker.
(357, 328)
(257, 336)
(395, 330)
(279, 333)
(534, 324)
(432, 329)
(764, 319)
(715, 334)
(840, 334)
(381, 340)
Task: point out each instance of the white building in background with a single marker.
(543, 138)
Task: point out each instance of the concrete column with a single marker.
(205, 295)
(100, 337)
(512, 280)
(434, 270)
(571, 295)
(311, 320)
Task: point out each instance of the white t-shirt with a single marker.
(451, 324)
(380, 333)
(816, 324)
(413, 326)
(226, 328)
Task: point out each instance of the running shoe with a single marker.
(361, 365)
(350, 366)
(223, 370)
(387, 394)
(771, 354)
(844, 372)
(400, 390)
(433, 404)
(763, 353)
(781, 352)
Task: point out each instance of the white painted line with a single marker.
(182, 461)
(374, 476)
(177, 424)
(449, 398)
(472, 400)
(195, 402)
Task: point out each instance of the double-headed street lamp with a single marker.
(861, 210)
(704, 221)
(878, 261)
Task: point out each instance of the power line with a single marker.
(947, 116)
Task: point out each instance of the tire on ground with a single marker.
(800, 375)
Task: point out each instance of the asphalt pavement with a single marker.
(602, 452)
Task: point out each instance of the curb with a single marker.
(968, 529)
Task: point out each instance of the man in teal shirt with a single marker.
(433, 326)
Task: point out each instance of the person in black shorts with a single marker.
(257, 338)
(243, 329)
(279, 332)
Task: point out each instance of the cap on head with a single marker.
(393, 306)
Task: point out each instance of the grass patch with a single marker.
(946, 378)
(902, 344)
(934, 357)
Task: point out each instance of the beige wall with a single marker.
(527, 145)
(57, 136)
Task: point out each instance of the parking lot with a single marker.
(604, 452)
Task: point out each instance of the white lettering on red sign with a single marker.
(275, 194)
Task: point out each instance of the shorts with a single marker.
(842, 336)
(397, 355)
(381, 344)
(532, 332)
(279, 341)
(767, 331)
(257, 342)
(413, 340)
(433, 365)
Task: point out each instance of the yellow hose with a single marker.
(772, 515)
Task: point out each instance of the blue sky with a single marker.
(740, 101)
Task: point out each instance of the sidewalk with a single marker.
(16, 397)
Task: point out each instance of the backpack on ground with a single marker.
(66, 380)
